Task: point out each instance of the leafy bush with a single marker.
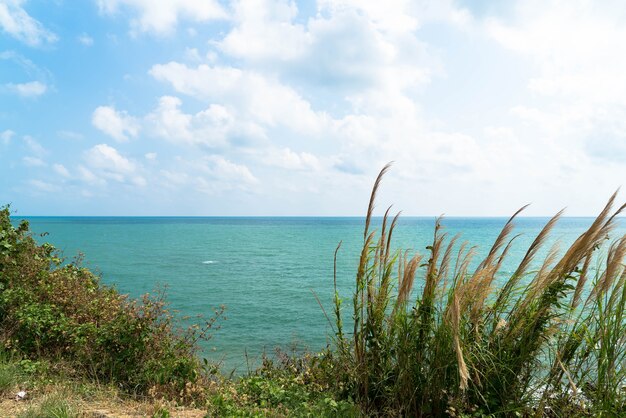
(62, 312)
(546, 341)
(289, 385)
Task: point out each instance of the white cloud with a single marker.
(6, 136)
(222, 169)
(33, 146)
(264, 30)
(291, 160)
(85, 39)
(30, 89)
(61, 170)
(192, 54)
(211, 175)
(212, 127)
(105, 157)
(117, 125)
(401, 15)
(283, 104)
(162, 17)
(16, 22)
(259, 100)
(33, 162)
(348, 46)
(87, 176)
(43, 186)
(345, 79)
(576, 76)
(573, 44)
(106, 163)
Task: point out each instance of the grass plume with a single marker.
(482, 341)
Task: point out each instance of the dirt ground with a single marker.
(12, 408)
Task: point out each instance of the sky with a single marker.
(285, 108)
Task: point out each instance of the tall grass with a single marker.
(431, 337)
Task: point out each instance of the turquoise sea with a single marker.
(264, 270)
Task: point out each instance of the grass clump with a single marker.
(432, 337)
(9, 378)
(50, 407)
(63, 314)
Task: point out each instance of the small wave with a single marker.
(209, 262)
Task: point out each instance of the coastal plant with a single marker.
(285, 385)
(443, 333)
(56, 311)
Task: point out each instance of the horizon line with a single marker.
(300, 216)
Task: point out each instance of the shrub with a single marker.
(62, 312)
(287, 385)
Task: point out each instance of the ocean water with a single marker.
(265, 271)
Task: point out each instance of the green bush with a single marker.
(288, 385)
(53, 311)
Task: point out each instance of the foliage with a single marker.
(55, 311)
(286, 386)
(547, 341)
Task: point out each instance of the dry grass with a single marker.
(473, 342)
(105, 402)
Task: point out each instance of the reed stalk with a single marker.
(443, 340)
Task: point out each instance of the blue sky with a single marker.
(273, 107)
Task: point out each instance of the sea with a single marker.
(274, 276)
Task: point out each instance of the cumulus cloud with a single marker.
(222, 169)
(331, 94)
(209, 127)
(259, 99)
(16, 22)
(348, 45)
(118, 125)
(212, 174)
(365, 57)
(264, 30)
(162, 17)
(106, 163)
(336, 92)
(30, 89)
